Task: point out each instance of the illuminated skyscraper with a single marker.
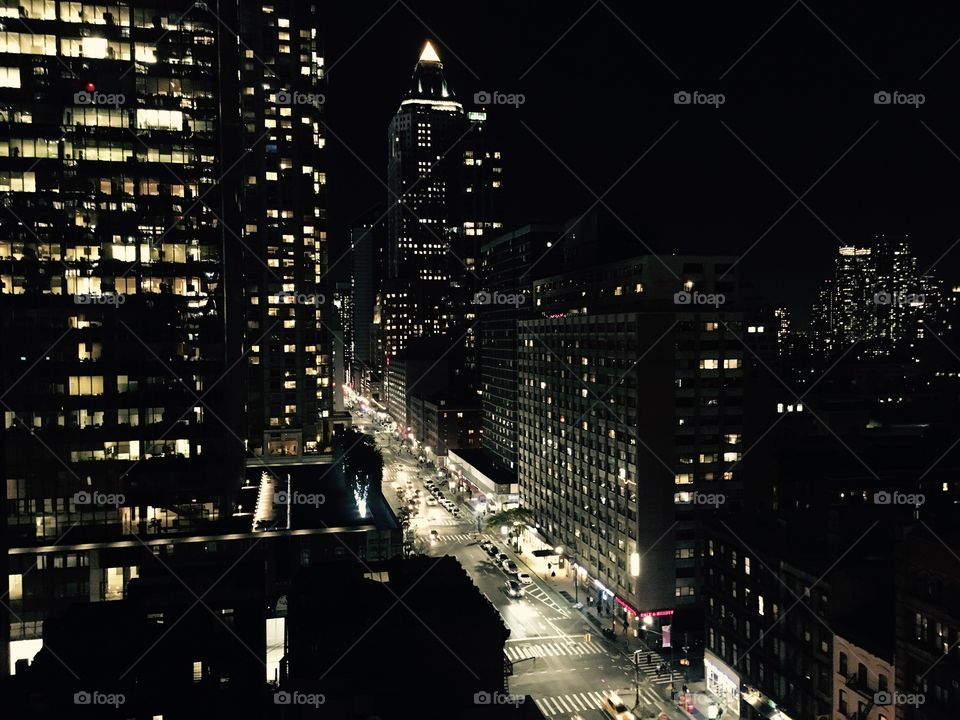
(163, 188)
(288, 309)
(876, 299)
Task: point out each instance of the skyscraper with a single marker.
(503, 271)
(421, 202)
(288, 306)
(876, 299)
(117, 265)
(444, 174)
(164, 212)
(363, 290)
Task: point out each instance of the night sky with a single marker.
(799, 82)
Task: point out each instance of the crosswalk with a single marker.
(462, 538)
(553, 649)
(441, 522)
(649, 661)
(557, 705)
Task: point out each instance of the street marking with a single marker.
(570, 703)
(552, 649)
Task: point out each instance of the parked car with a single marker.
(510, 566)
(492, 550)
(502, 558)
(513, 589)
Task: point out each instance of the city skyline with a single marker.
(558, 363)
(870, 185)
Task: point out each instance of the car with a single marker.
(431, 502)
(513, 576)
(524, 578)
(502, 558)
(513, 589)
(492, 550)
(510, 566)
(614, 707)
(485, 545)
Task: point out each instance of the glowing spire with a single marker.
(429, 55)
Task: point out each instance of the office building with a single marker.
(161, 264)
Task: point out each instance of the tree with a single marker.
(522, 516)
(359, 464)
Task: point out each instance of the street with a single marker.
(559, 658)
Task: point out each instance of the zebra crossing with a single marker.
(554, 649)
(578, 702)
(462, 537)
(649, 661)
(439, 522)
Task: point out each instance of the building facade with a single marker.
(630, 412)
(290, 392)
(504, 298)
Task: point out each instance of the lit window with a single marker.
(10, 77)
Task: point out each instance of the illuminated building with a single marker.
(288, 310)
(444, 176)
(503, 273)
(162, 234)
(631, 415)
(876, 299)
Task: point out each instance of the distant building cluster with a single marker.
(879, 301)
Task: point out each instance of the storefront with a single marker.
(723, 684)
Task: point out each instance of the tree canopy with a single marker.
(359, 462)
(523, 516)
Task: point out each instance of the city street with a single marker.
(559, 658)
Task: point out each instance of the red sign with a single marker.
(657, 613)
